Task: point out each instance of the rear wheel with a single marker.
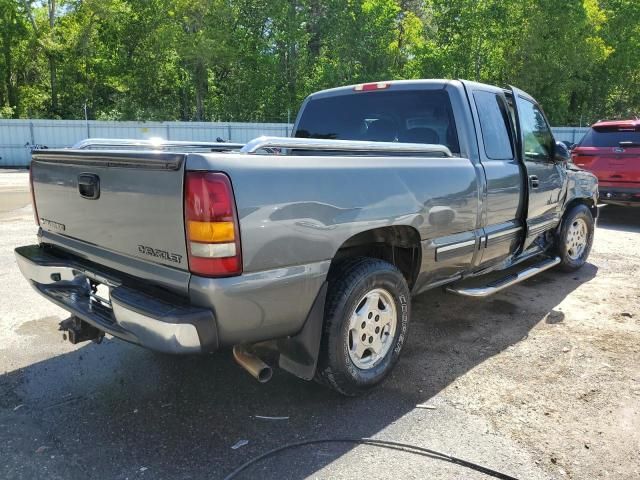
(575, 238)
(366, 320)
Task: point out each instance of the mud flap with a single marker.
(299, 353)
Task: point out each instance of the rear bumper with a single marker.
(620, 195)
(157, 320)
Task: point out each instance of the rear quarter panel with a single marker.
(296, 212)
(300, 209)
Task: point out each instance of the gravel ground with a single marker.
(540, 381)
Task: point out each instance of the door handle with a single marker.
(89, 186)
(533, 179)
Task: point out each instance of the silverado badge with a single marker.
(163, 254)
(51, 225)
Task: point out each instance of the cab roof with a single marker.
(430, 83)
(617, 124)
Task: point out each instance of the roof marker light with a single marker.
(367, 87)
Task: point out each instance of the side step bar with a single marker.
(507, 281)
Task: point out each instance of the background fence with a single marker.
(570, 134)
(17, 136)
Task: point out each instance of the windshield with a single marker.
(408, 116)
(610, 138)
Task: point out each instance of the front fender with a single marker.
(582, 186)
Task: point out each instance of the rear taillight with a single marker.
(33, 195)
(582, 159)
(211, 224)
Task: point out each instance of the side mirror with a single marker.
(562, 154)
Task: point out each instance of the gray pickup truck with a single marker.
(310, 246)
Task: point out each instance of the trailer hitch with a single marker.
(77, 330)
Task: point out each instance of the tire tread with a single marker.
(567, 264)
(343, 279)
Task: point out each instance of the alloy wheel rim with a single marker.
(372, 327)
(576, 241)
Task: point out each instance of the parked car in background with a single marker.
(611, 150)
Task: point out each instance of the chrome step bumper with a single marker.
(159, 321)
(507, 281)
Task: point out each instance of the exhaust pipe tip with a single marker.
(265, 374)
(252, 364)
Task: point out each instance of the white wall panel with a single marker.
(17, 135)
(570, 134)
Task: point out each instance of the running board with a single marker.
(507, 281)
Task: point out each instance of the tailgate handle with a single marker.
(89, 186)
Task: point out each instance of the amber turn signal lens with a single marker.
(211, 232)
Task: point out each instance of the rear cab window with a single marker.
(606, 137)
(407, 116)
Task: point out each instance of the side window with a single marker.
(494, 124)
(537, 136)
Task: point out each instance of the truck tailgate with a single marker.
(130, 203)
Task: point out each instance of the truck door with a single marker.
(545, 177)
(502, 218)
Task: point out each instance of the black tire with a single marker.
(570, 263)
(349, 281)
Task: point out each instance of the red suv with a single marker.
(611, 150)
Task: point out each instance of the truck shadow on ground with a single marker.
(624, 219)
(111, 410)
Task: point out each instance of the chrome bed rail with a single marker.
(261, 143)
(153, 144)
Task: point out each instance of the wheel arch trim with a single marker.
(394, 237)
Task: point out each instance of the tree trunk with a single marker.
(54, 85)
(200, 84)
(313, 27)
(52, 61)
(399, 58)
(11, 98)
(292, 56)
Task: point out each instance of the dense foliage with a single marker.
(255, 60)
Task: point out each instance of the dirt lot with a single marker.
(541, 381)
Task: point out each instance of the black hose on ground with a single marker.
(405, 447)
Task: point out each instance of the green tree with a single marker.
(12, 32)
(256, 60)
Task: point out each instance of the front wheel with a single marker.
(366, 320)
(575, 238)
